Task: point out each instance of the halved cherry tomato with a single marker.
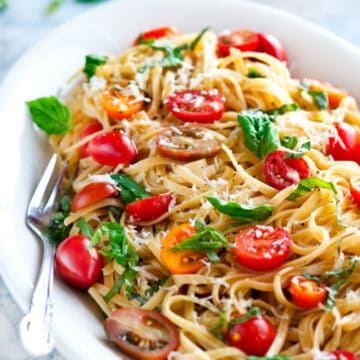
(150, 208)
(343, 355)
(269, 44)
(334, 94)
(185, 261)
(355, 189)
(306, 293)
(77, 264)
(143, 334)
(112, 148)
(244, 40)
(253, 336)
(157, 33)
(262, 248)
(186, 143)
(199, 106)
(344, 143)
(282, 173)
(118, 105)
(89, 129)
(91, 194)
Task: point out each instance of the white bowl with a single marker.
(312, 52)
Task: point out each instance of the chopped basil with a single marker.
(320, 97)
(155, 287)
(254, 311)
(308, 184)
(275, 357)
(57, 230)
(297, 154)
(116, 212)
(240, 213)
(216, 330)
(3, 4)
(53, 6)
(253, 73)
(283, 110)
(261, 136)
(50, 115)
(289, 141)
(85, 228)
(207, 240)
(91, 64)
(130, 190)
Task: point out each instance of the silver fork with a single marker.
(36, 330)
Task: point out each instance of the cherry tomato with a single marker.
(334, 94)
(306, 293)
(355, 189)
(282, 173)
(262, 248)
(244, 40)
(271, 45)
(253, 336)
(118, 105)
(199, 106)
(91, 194)
(89, 129)
(77, 264)
(150, 208)
(143, 334)
(112, 148)
(186, 143)
(344, 143)
(157, 33)
(184, 261)
(343, 355)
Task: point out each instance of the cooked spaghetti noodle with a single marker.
(193, 302)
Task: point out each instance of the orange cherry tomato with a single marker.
(355, 189)
(183, 261)
(334, 94)
(157, 33)
(118, 105)
(306, 293)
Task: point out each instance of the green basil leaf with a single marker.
(155, 287)
(305, 147)
(127, 278)
(311, 277)
(3, 4)
(130, 190)
(289, 141)
(320, 99)
(260, 135)
(306, 185)
(215, 330)
(254, 311)
(92, 62)
(50, 115)
(253, 74)
(53, 6)
(283, 110)
(240, 213)
(275, 357)
(116, 212)
(198, 38)
(85, 228)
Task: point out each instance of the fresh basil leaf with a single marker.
(53, 6)
(3, 4)
(127, 279)
(289, 141)
(306, 185)
(275, 357)
(240, 213)
(200, 225)
(116, 212)
(65, 203)
(343, 273)
(85, 228)
(283, 110)
(311, 277)
(260, 135)
(216, 330)
(253, 73)
(130, 190)
(50, 115)
(305, 147)
(304, 86)
(130, 294)
(155, 287)
(254, 311)
(320, 99)
(198, 38)
(92, 62)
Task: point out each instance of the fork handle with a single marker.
(36, 327)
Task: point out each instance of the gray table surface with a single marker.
(25, 22)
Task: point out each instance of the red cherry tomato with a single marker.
(150, 208)
(112, 148)
(143, 334)
(271, 45)
(343, 355)
(91, 194)
(254, 336)
(344, 143)
(262, 248)
(157, 33)
(196, 105)
(355, 189)
(89, 129)
(244, 40)
(78, 265)
(306, 293)
(282, 173)
(186, 143)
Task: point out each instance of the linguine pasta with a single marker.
(195, 302)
